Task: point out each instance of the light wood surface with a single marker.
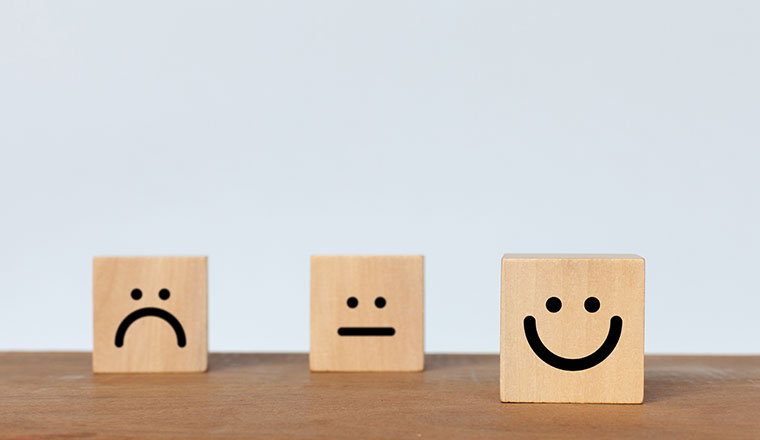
(572, 328)
(172, 296)
(56, 396)
(353, 294)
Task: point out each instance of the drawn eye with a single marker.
(591, 304)
(379, 302)
(164, 294)
(136, 294)
(553, 304)
(352, 302)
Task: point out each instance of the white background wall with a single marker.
(259, 134)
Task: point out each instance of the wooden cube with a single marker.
(367, 313)
(572, 328)
(150, 314)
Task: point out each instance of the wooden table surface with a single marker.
(55, 395)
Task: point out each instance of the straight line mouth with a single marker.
(366, 331)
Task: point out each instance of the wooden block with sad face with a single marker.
(366, 313)
(150, 314)
(572, 328)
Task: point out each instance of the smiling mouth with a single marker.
(366, 331)
(569, 364)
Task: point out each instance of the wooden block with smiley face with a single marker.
(366, 313)
(572, 328)
(150, 314)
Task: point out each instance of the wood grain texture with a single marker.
(150, 343)
(398, 280)
(616, 284)
(55, 395)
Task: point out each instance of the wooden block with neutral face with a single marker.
(367, 313)
(150, 314)
(572, 328)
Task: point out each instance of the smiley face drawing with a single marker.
(591, 305)
(572, 328)
(366, 313)
(150, 314)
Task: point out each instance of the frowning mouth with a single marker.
(366, 331)
(150, 311)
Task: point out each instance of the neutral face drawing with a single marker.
(366, 313)
(554, 305)
(160, 313)
(353, 303)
